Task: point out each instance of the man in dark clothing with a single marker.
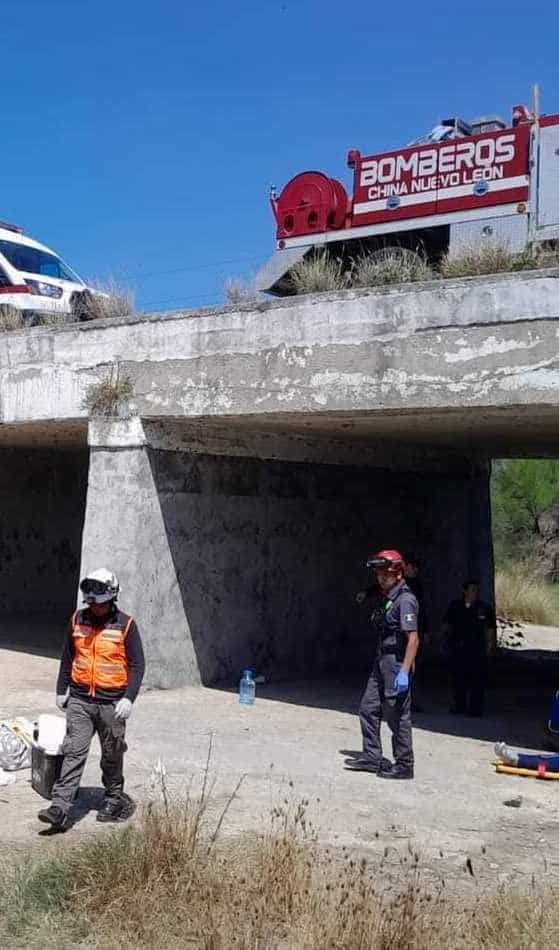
(101, 671)
(470, 627)
(394, 620)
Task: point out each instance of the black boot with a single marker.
(53, 815)
(396, 772)
(361, 764)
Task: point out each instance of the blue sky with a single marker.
(140, 139)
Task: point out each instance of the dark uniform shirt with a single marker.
(468, 629)
(416, 587)
(394, 616)
(134, 658)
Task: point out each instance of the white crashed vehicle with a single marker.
(32, 277)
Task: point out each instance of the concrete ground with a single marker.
(455, 809)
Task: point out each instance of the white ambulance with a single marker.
(32, 277)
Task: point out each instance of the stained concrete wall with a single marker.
(459, 345)
(227, 561)
(42, 503)
(269, 555)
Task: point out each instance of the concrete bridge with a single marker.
(264, 452)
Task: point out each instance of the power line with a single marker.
(190, 267)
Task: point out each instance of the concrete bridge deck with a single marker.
(264, 452)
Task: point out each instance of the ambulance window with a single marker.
(33, 260)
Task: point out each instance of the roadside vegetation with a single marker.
(525, 507)
(173, 880)
(237, 292)
(521, 595)
(109, 299)
(10, 318)
(321, 271)
(487, 257)
(389, 266)
(317, 272)
(106, 301)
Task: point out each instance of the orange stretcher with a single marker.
(540, 772)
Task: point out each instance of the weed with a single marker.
(486, 257)
(238, 293)
(110, 397)
(104, 302)
(391, 265)
(10, 318)
(317, 272)
(55, 318)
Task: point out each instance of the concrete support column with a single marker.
(124, 530)
(481, 561)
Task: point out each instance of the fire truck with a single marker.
(463, 183)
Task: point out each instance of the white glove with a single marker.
(62, 699)
(123, 708)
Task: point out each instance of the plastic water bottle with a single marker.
(247, 689)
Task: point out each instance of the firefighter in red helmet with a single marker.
(394, 620)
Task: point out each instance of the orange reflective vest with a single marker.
(100, 655)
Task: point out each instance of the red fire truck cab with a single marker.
(461, 183)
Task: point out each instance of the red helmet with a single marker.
(386, 560)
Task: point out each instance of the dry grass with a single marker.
(486, 257)
(55, 318)
(521, 595)
(173, 881)
(10, 318)
(107, 301)
(318, 272)
(238, 293)
(389, 266)
(110, 397)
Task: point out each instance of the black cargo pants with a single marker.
(84, 718)
(380, 697)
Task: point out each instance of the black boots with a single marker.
(53, 815)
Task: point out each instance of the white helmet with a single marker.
(100, 586)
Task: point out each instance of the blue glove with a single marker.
(402, 682)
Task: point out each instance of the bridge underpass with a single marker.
(263, 455)
(43, 487)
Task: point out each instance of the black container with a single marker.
(45, 769)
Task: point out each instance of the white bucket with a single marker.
(52, 730)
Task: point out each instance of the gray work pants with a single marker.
(84, 718)
(381, 697)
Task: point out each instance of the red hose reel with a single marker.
(310, 203)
